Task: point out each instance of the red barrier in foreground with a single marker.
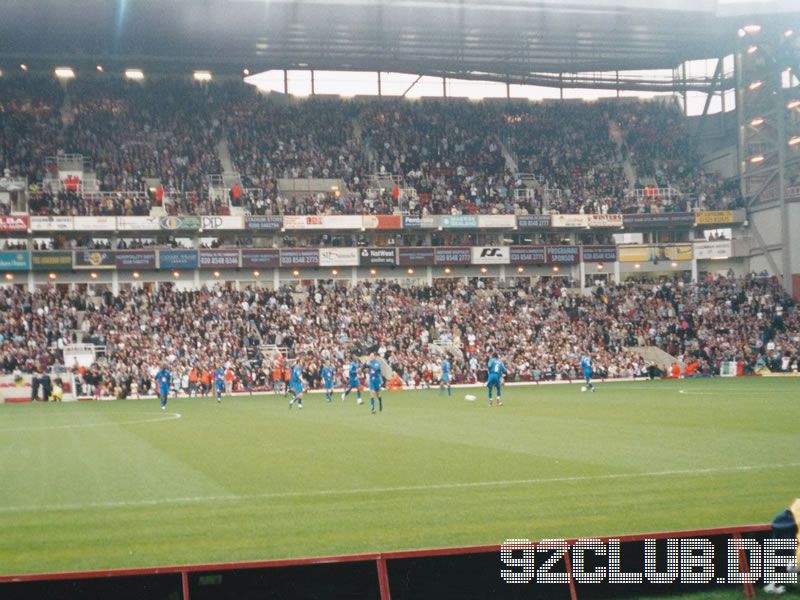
(380, 559)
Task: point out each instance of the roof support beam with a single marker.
(408, 89)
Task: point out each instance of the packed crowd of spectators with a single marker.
(273, 139)
(568, 147)
(30, 125)
(659, 144)
(541, 330)
(161, 129)
(450, 152)
(74, 204)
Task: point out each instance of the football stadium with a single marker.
(399, 299)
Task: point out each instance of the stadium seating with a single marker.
(541, 329)
(457, 156)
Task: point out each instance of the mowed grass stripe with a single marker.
(250, 480)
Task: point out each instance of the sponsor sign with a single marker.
(459, 221)
(497, 221)
(678, 252)
(177, 259)
(574, 221)
(715, 217)
(491, 255)
(138, 223)
(52, 224)
(135, 259)
(263, 222)
(654, 253)
(414, 222)
(93, 259)
(659, 220)
(563, 255)
(338, 257)
(527, 255)
(322, 222)
(716, 249)
(414, 256)
(51, 261)
(299, 257)
(382, 222)
(376, 257)
(95, 223)
(533, 221)
(219, 259)
(14, 223)
(185, 223)
(15, 261)
(261, 258)
(220, 222)
(605, 221)
(599, 254)
(452, 255)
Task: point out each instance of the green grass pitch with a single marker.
(99, 485)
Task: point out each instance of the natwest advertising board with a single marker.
(378, 257)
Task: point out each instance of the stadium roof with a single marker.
(504, 40)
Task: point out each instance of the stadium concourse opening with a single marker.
(241, 208)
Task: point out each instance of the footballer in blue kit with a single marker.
(375, 382)
(586, 365)
(296, 384)
(219, 382)
(353, 382)
(496, 372)
(445, 378)
(327, 381)
(163, 384)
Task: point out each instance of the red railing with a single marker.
(380, 559)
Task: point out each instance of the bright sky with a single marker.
(354, 83)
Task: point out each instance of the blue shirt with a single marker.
(219, 377)
(445, 368)
(496, 368)
(297, 374)
(353, 371)
(164, 379)
(327, 376)
(375, 372)
(586, 363)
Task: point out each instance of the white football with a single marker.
(469, 397)
(583, 388)
(360, 401)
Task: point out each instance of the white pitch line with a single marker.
(160, 419)
(724, 392)
(390, 490)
